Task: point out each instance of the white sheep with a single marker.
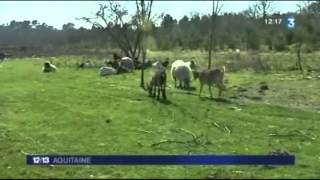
(182, 72)
(104, 71)
(126, 64)
(87, 64)
(48, 67)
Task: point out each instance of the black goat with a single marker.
(116, 56)
(157, 84)
(166, 63)
(3, 55)
(81, 66)
(140, 65)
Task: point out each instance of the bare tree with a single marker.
(303, 34)
(216, 8)
(144, 14)
(251, 12)
(264, 7)
(111, 18)
(309, 8)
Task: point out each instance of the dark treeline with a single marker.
(244, 30)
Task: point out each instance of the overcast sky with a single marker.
(57, 13)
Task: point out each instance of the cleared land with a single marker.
(78, 112)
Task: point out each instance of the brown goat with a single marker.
(210, 77)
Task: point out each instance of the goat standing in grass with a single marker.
(158, 81)
(210, 77)
(157, 85)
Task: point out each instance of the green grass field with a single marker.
(77, 112)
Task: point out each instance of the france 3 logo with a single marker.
(40, 160)
(290, 22)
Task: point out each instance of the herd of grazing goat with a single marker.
(180, 71)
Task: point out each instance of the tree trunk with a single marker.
(145, 17)
(143, 59)
(210, 51)
(299, 62)
(142, 69)
(211, 35)
(139, 51)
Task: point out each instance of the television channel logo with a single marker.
(290, 22)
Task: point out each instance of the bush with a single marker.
(252, 61)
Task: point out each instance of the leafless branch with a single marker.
(167, 141)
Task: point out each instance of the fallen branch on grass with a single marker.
(223, 129)
(144, 131)
(227, 129)
(293, 133)
(195, 139)
(167, 141)
(24, 153)
(189, 132)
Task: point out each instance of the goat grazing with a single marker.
(210, 77)
(182, 71)
(48, 67)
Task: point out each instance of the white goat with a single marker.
(182, 72)
(104, 71)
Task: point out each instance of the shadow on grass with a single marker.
(165, 101)
(187, 88)
(162, 101)
(187, 91)
(218, 99)
(190, 89)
